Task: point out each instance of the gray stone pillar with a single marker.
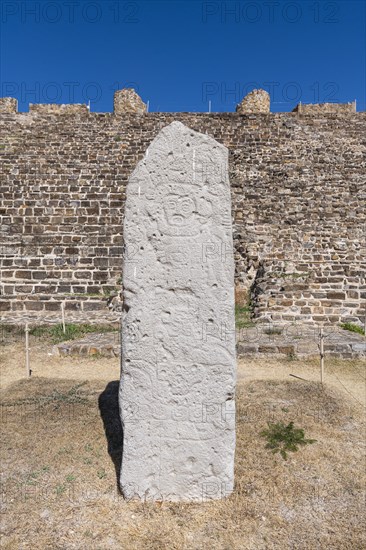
(178, 327)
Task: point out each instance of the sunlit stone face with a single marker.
(178, 331)
(179, 210)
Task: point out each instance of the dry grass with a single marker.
(45, 364)
(61, 446)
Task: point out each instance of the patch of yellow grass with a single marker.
(60, 457)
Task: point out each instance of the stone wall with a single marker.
(257, 101)
(55, 109)
(325, 108)
(8, 105)
(298, 195)
(128, 101)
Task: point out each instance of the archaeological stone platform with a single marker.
(297, 187)
(279, 340)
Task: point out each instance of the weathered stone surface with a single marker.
(59, 109)
(323, 108)
(257, 101)
(128, 101)
(63, 180)
(8, 105)
(178, 332)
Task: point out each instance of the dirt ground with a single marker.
(61, 450)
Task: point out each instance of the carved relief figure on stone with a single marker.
(178, 329)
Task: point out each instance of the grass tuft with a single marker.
(72, 331)
(352, 327)
(281, 438)
(273, 330)
(242, 317)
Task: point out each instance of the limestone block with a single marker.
(178, 329)
(8, 105)
(128, 101)
(325, 108)
(257, 101)
(58, 109)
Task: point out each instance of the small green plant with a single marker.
(56, 332)
(352, 327)
(101, 473)
(63, 450)
(273, 330)
(70, 478)
(10, 333)
(31, 478)
(282, 438)
(73, 395)
(60, 489)
(107, 293)
(72, 331)
(97, 356)
(242, 317)
(293, 275)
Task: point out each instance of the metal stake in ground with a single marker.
(27, 366)
(321, 347)
(63, 316)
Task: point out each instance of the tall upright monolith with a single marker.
(178, 330)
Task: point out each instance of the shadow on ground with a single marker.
(109, 411)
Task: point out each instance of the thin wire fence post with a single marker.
(321, 336)
(27, 365)
(63, 316)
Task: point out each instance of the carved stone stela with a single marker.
(178, 329)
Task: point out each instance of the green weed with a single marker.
(72, 331)
(242, 317)
(352, 327)
(282, 439)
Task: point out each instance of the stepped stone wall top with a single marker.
(297, 190)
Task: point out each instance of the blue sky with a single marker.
(181, 55)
